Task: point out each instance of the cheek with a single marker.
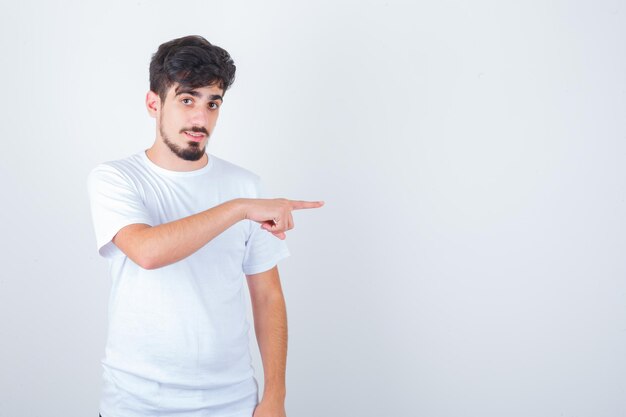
(170, 121)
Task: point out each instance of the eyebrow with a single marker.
(195, 93)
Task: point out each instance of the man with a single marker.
(180, 227)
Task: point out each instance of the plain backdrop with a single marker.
(469, 260)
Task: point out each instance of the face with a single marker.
(186, 119)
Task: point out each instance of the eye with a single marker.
(186, 99)
(213, 105)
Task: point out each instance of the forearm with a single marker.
(270, 323)
(167, 243)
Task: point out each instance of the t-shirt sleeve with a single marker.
(115, 203)
(263, 249)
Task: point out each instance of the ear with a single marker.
(153, 103)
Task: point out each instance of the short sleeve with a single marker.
(115, 203)
(263, 249)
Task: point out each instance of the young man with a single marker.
(180, 227)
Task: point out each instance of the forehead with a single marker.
(210, 92)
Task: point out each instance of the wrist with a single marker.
(276, 396)
(240, 206)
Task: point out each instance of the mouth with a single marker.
(194, 136)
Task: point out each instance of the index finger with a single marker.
(298, 204)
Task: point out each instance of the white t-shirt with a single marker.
(178, 336)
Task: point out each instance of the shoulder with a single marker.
(127, 165)
(241, 180)
(123, 170)
(231, 170)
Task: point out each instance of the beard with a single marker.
(192, 153)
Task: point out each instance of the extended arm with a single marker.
(270, 324)
(156, 246)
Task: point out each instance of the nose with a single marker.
(200, 117)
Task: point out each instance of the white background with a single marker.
(469, 260)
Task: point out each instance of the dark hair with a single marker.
(192, 62)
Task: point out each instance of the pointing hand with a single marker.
(274, 215)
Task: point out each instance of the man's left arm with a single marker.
(270, 324)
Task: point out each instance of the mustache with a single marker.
(195, 129)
